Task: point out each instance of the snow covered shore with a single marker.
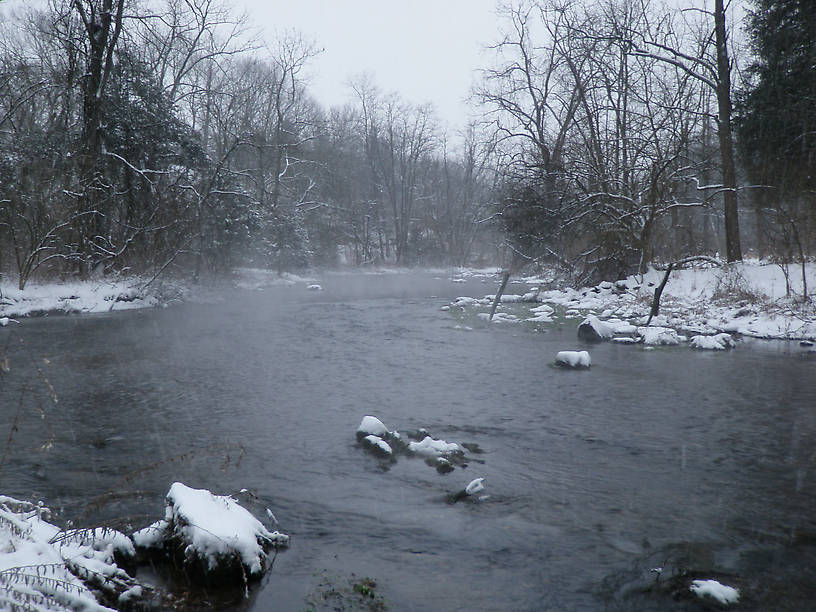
(82, 297)
(45, 568)
(747, 298)
(125, 293)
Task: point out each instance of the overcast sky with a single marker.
(426, 50)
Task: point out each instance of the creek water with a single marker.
(674, 458)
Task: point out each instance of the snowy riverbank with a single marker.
(212, 538)
(747, 298)
(124, 293)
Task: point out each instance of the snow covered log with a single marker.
(592, 329)
(573, 359)
(212, 536)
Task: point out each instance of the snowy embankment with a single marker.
(43, 567)
(81, 297)
(747, 298)
(126, 293)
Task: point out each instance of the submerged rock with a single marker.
(473, 487)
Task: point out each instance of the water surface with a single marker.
(670, 457)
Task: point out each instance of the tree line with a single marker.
(163, 136)
(643, 130)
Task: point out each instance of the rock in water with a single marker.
(371, 426)
(212, 535)
(377, 445)
(714, 590)
(719, 342)
(573, 359)
(592, 329)
(475, 486)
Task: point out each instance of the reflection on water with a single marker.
(593, 476)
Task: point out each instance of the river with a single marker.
(673, 458)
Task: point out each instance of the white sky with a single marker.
(426, 50)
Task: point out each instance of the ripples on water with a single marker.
(697, 460)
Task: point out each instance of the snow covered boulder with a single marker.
(660, 336)
(371, 426)
(573, 359)
(378, 446)
(212, 536)
(434, 448)
(711, 589)
(592, 329)
(718, 342)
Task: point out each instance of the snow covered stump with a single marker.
(575, 360)
(212, 536)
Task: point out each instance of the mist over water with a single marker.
(667, 456)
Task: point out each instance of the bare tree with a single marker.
(705, 58)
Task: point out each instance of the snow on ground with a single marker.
(746, 298)
(719, 592)
(44, 568)
(75, 297)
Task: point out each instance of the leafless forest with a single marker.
(165, 136)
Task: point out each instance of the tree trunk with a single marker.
(729, 175)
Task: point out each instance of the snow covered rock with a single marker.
(475, 486)
(721, 593)
(378, 446)
(573, 359)
(718, 342)
(212, 535)
(660, 336)
(592, 329)
(498, 317)
(430, 447)
(371, 426)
